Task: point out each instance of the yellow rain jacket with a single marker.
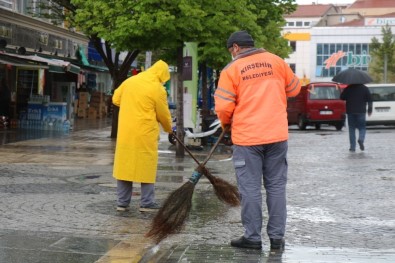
(143, 105)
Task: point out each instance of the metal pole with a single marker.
(385, 67)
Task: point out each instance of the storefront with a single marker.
(336, 48)
(39, 87)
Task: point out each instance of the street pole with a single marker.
(385, 67)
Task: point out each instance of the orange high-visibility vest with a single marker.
(252, 96)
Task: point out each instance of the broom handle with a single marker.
(210, 153)
(214, 147)
(186, 149)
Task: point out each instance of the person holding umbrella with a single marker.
(357, 96)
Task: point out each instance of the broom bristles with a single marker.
(225, 191)
(172, 215)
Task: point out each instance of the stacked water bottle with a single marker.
(36, 119)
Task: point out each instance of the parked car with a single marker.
(383, 96)
(317, 103)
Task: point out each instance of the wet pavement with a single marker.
(57, 201)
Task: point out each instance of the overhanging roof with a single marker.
(21, 62)
(56, 65)
(53, 65)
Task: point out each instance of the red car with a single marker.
(317, 103)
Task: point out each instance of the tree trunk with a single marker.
(118, 75)
(180, 103)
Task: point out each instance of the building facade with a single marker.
(43, 61)
(337, 37)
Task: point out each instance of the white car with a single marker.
(383, 96)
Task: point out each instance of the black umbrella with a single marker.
(352, 76)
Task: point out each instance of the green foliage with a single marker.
(163, 25)
(380, 51)
(262, 19)
(166, 24)
(271, 20)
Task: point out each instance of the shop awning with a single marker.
(57, 65)
(95, 68)
(81, 55)
(83, 62)
(53, 65)
(21, 62)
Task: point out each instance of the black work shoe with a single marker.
(361, 146)
(245, 243)
(277, 243)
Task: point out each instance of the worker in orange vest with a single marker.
(251, 100)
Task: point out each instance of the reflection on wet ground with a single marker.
(14, 135)
(58, 203)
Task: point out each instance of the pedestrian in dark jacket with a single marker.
(357, 96)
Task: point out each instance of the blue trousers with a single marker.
(356, 121)
(254, 164)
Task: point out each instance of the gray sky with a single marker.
(307, 2)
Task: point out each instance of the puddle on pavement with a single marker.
(170, 168)
(170, 178)
(387, 178)
(67, 168)
(205, 207)
(44, 247)
(225, 253)
(327, 254)
(178, 168)
(91, 176)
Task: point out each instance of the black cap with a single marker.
(241, 38)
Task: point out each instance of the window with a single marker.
(383, 93)
(38, 7)
(333, 57)
(23, 6)
(306, 23)
(324, 93)
(291, 23)
(292, 44)
(299, 23)
(6, 4)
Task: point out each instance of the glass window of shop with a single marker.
(27, 85)
(334, 57)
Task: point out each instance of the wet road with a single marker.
(58, 202)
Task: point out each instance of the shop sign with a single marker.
(187, 68)
(380, 21)
(360, 60)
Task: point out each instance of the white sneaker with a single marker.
(122, 208)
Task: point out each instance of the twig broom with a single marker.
(175, 210)
(225, 191)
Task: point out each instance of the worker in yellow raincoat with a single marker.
(143, 105)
